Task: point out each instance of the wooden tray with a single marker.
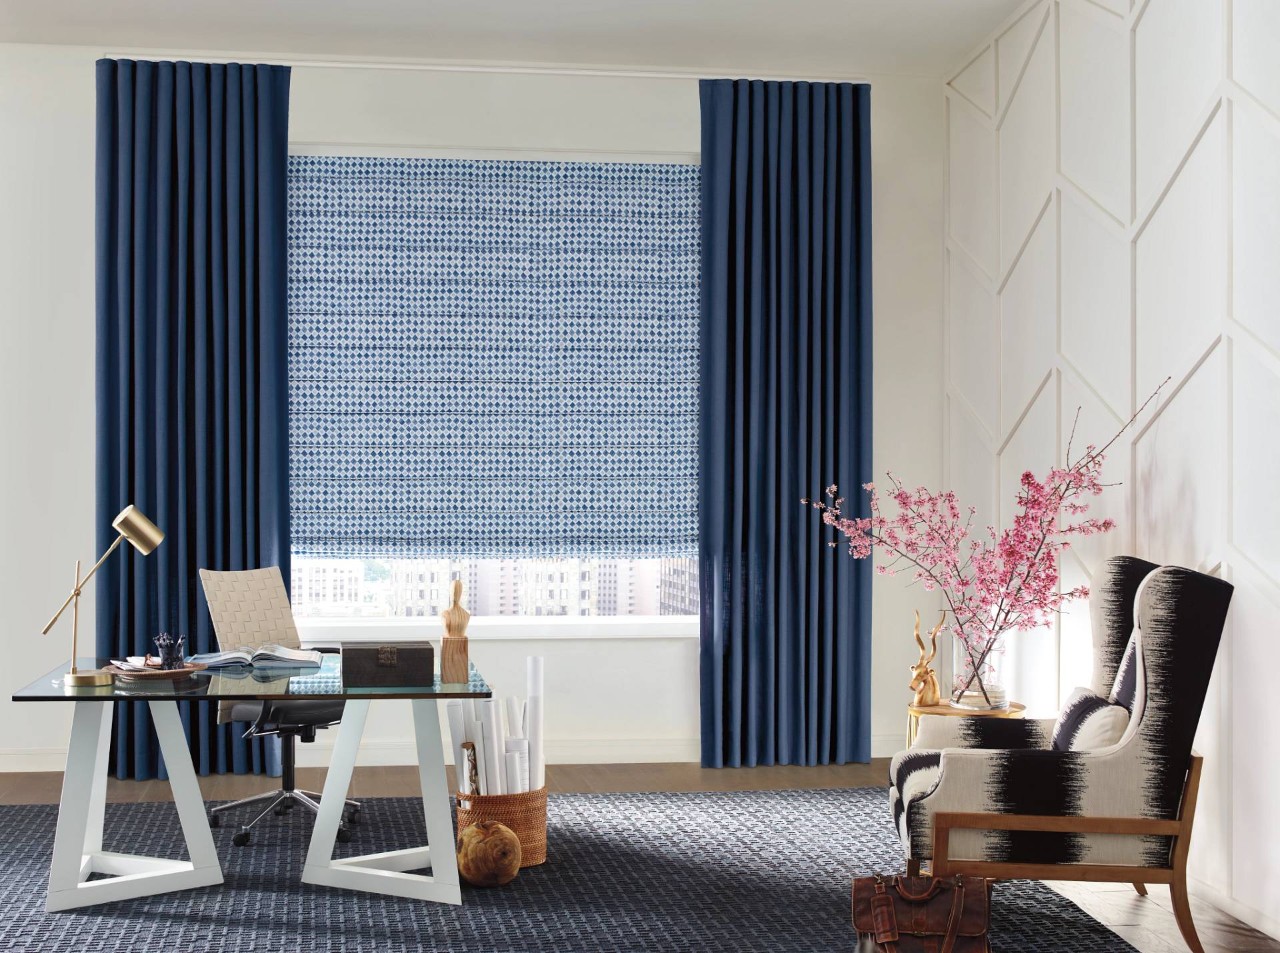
(157, 674)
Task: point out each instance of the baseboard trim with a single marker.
(573, 751)
(1229, 905)
(33, 759)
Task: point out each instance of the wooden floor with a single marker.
(1147, 923)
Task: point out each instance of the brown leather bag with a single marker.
(921, 915)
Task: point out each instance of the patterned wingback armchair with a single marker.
(992, 797)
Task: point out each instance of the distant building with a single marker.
(678, 586)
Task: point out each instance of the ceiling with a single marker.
(819, 38)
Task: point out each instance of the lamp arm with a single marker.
(75, 592)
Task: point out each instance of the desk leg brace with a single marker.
(388, 873)
(77, 845)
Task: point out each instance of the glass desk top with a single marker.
(241, 684)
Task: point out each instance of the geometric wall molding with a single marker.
(1180, 289)
(1028, 320)
(1177, 67)
(1096, 301)
(1094, 106)
(1180, 463)
(1255, 37)
(1130, 233)
(1256, 221)
(977, 82)
(1013, 50)
(971, 191)
(1027, 150)
(974, 333)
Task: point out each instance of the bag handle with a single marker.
(953, 922)
(934, 886)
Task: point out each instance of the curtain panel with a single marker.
(192, 410)
(785, 409)
(493, 359)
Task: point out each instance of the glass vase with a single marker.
(978, 680)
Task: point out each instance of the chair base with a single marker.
(1175, 875)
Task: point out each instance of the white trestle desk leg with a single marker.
(77, 845)
(387, 873)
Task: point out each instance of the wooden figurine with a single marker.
(924, 682)
(453, 648)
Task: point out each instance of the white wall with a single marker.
(614, 698)
(1113, 219)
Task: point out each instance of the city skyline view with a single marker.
(363, 588)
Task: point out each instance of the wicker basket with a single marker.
(524, 813)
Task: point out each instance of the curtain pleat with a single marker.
(192, 411)
(785, 409)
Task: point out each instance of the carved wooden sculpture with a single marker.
(924, 681)
(453, 649)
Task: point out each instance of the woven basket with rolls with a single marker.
(525, 813)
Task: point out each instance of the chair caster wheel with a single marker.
(215, 820)
(344, 835)
(353, 816)
(241, 838)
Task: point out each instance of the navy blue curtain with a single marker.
(192, 393)
(785, 409)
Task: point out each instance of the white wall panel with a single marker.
(1096, 301)
(1255, 875)
(1255, 195)
(1027, 155)
(1177, 67)
(971, 144)
(1095, 424)
(1028, 321)
(1168, 183)
(1180, 467)
(1255, 458)
(975, 343)
(1182, 267)
(1013, 47)
(1255, 37)
(1095, 106)
(972, 470)
(977, 81)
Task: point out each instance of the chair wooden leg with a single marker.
(1141, 888)
(913, 868)
(1182, 912)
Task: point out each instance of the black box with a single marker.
(388, 664)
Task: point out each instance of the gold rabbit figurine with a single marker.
(924, 682)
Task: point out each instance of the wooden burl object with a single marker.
(454, 666)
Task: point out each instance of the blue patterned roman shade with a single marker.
(493, 358)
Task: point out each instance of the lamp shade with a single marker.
(134, 526)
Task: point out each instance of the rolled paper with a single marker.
(494, 762)
(515, 718)
(513, 773)
(537, 762)
(520, 747)
(475, 734)
(457, 737)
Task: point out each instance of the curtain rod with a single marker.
(513, 68)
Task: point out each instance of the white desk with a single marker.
(77, 845)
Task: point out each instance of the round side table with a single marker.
(914, 713)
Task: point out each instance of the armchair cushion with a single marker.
(1089, 723)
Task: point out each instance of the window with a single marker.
(493, 378)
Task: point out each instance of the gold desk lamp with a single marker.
(145, 536)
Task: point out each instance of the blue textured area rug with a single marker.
(744, 871)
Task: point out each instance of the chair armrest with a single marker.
(939, 731)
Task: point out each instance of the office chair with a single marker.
(250, 609)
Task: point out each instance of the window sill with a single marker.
(498, 628)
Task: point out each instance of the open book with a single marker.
(267, 656)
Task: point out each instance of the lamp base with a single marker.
(95, 679)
